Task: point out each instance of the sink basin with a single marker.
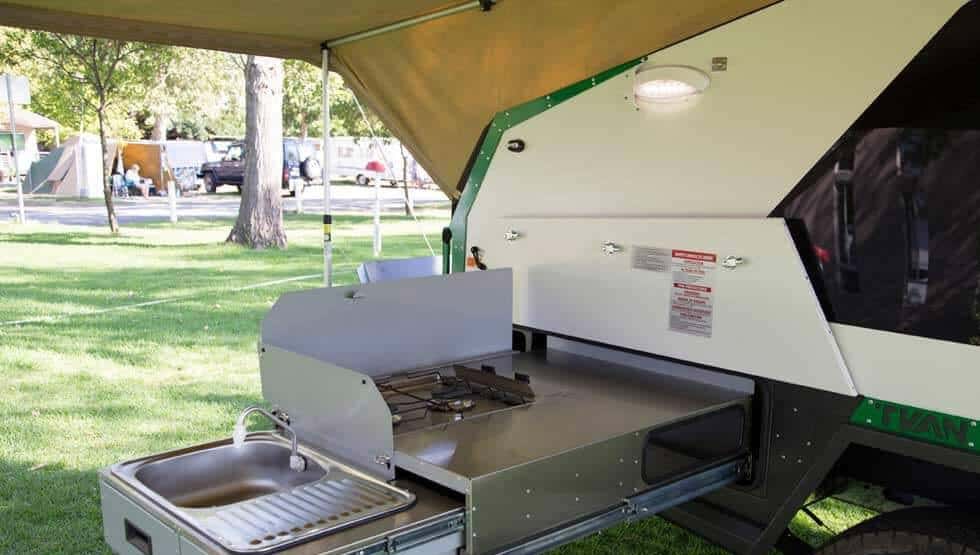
(247, 499)
(226, 474)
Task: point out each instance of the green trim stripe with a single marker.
(500, 124)
(920, 424)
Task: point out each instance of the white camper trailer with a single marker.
(25, 144)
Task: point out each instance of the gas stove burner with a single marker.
(457, 405)
(450, 390)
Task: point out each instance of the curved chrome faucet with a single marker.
(296, 461)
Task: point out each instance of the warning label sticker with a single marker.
(692, 291)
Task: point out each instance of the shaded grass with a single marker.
(80, 393)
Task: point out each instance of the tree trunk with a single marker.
(303, 127)
(259, 223)
(409, 207)
(107, 179)
(161, 115)
(161, 124)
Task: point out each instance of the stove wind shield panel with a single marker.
(321, 351)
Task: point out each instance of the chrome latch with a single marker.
(383, 460)
(512, 235)
(611, 248)
(731, 262)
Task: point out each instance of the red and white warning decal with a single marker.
(692, 291)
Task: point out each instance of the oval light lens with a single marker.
(667, 83)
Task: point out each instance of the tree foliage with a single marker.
(96, 72)
(194, 95)
(302, 102)
(202, 92)
(302, 109)
(346, 118)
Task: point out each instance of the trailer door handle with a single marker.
(138, 538)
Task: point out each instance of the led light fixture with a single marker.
(663, 84)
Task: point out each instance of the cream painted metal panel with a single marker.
(799, 73)
(766, 319)
(925, 373)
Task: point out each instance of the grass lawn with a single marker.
(82, 391)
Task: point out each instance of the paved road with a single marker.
(344, 198)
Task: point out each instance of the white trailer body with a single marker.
(766, 289)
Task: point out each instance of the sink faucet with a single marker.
(296, 461)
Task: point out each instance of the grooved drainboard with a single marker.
(336, 501)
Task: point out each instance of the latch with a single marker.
(610, 247)
(512, 235)
(731, 262)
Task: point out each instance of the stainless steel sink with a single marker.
(248, 500)
(225, 474)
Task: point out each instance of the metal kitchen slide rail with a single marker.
(637, 507)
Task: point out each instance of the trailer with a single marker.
(771, 293)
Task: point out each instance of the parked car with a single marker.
(299, 164)
(216, 147)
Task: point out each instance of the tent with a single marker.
(166, 162)
(435, 81)
(72, 170)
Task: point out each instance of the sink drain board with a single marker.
(273, 521)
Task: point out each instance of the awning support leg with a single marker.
(327, 218)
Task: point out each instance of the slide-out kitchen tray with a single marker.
(595, 433)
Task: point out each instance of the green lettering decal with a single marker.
(920, 424)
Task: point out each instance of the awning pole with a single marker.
(484, 5)
(13, 148)
(325, 174)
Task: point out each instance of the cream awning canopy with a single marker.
(436, 85)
